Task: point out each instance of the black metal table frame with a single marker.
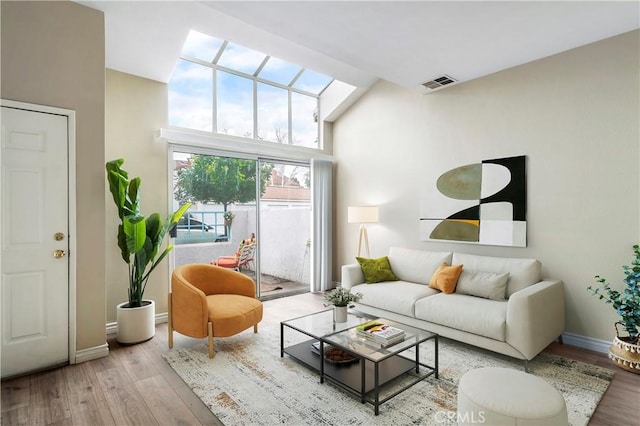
(372, 396)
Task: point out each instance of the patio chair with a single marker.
(244, 258)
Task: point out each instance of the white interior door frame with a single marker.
(71, 131)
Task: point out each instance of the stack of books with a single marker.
(379, 332)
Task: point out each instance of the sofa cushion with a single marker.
(445, 278)
(376, 270)
(522, 272)
(416, 266)
(472, 314)
(396, 296)
(489, 285)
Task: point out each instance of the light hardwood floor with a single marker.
(135, 386)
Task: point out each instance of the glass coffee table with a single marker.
(368, 370)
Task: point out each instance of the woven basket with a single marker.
(625, 353)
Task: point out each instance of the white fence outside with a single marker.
(284, 245)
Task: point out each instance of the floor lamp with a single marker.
(362, 215)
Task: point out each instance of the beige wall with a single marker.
(53, 54)
(574, 115)
(135, 109)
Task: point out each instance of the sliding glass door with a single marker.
(248, 214)
(285, 228)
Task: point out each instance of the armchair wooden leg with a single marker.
(170, 323)
(255, 328)
(210, 330)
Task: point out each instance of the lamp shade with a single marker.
(362, 214)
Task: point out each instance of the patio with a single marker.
(273, 287)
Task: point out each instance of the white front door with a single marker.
(35, 235)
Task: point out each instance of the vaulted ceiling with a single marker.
(359, 42)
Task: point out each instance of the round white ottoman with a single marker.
(502, 396)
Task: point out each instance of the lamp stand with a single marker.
(363, 236)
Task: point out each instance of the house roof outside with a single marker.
(284, 193)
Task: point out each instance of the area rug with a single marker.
(248, 383)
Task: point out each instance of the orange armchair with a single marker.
(210, 301)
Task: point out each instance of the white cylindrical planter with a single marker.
(136, 325)
(339, 314)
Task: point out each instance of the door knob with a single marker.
(58, 254)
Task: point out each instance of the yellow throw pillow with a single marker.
(445, 278)
(376, 270)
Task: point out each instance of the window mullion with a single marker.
(214, 118)
(220, 51)
(290, 118)
(296, 77)
(264, 62)
(318, 121)
(255, 108)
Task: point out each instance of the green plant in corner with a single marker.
(341, 297)
(139, 237)
(626, 303)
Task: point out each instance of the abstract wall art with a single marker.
(481, 203)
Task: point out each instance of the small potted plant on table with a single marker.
(340, 298)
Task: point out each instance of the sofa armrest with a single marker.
(535, 317)
(352, 275)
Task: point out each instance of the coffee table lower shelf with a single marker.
(395, 374)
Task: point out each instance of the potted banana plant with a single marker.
(139, 240)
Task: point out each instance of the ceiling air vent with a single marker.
(438, 83)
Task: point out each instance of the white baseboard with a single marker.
(112, 327)
(162, 318)
(590, 343)
(95, 352)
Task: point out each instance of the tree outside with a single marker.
(220, 180)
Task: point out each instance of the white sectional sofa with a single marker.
(530, 317)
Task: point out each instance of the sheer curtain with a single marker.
(321, 242)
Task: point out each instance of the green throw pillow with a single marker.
(376, 270)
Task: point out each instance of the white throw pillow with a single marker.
(416, 266)
(522, 272)
(488, 285)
